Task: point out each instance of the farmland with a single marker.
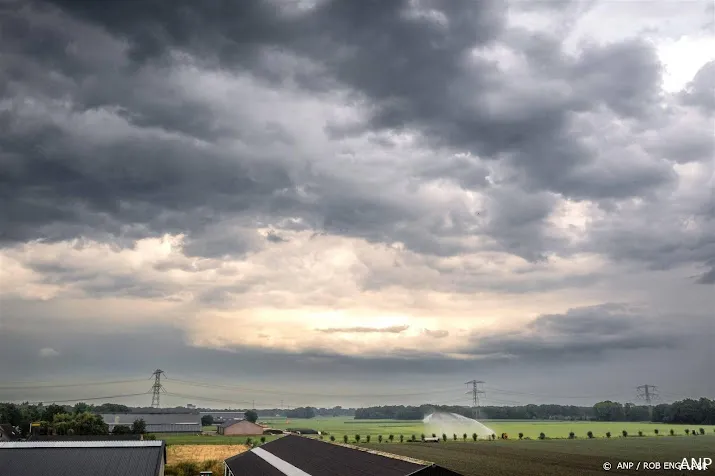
(554, 457)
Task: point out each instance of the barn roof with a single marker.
(302, 456)
(158, 422)
(82, 458)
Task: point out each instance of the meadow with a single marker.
(556, 457)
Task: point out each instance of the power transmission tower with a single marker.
(648, 393)
(475, 396)
(157, 388)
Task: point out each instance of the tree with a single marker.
(367, 439)
(379, 438)
(656, 432)
(687, 431)
(521, 435)
(263, 439)
(422, 437)
(121, 430)
(589, 434)
(332, 438)
(640, 433)
(444, 437)
(82, 407)
(207, 420)
(542, 436)
(672, 432)
(572, 435)
(702, 431)
(345, 438)
(251, 416)
(139, 427)
(624, 433)
(474, 436)
(357, 438)
(391, 437)
(464, 437)
(49, 412)
(454, 437)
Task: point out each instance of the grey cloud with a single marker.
(700, 92)
(364, 330)
(584, 332)
(437, 334)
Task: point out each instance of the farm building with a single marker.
(8, 433)
(157, 422)
(300, 455)
(221, 416)
(239, 427)
(83, 458)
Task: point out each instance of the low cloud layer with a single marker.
(361, 185)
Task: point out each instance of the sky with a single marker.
(346, 203)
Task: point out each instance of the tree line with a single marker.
(80, 419)
(692, 411)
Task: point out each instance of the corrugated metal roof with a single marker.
(85, 458)
(151, 418)
(81, 444)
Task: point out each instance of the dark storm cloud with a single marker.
(414, 69)
(364, 330)
(585, 332)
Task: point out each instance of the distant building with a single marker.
(239, 427)
(190, 406)
(83, 458)
(302, 455)
(221, 416)
(157, 422)
(129, 437)
(8, 433)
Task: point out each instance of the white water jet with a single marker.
(452, 423)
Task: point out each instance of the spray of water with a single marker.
(451, 424)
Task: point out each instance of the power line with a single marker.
(93, 398)
(64, 385)
(307, 394)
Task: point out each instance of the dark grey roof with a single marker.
(84, 438)
(319, 458)
(82, 458)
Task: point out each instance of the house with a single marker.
(8, 433)
(239, 428)
(83, 458)
(158, 422)
(300, 455)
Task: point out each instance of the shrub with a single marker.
(434, 435)
(608, 434)
(693, 432)
(422, 437)
(656, 432)
(150, 437)
(464, 437)
(672, 432)
(332, 438)
(454, 437)
(589, 434)
(320, 436)
(263, 439)
(379, 438)
(391, 438)
(414, 438)
(402, 438)
(572, 435)
(702, 431)
(521, 435)
(367, 439)
(444, 437)
(474, 436)
(249, 441)
(357, 438)
(494, 436)
(687, 431)
(624, 433)
(345, 438)
(542, 436)
(640, 433)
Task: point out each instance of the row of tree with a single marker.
(700, 411)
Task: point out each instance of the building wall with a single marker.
(243, 428)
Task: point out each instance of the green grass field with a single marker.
(340, 426)
(556, 457)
